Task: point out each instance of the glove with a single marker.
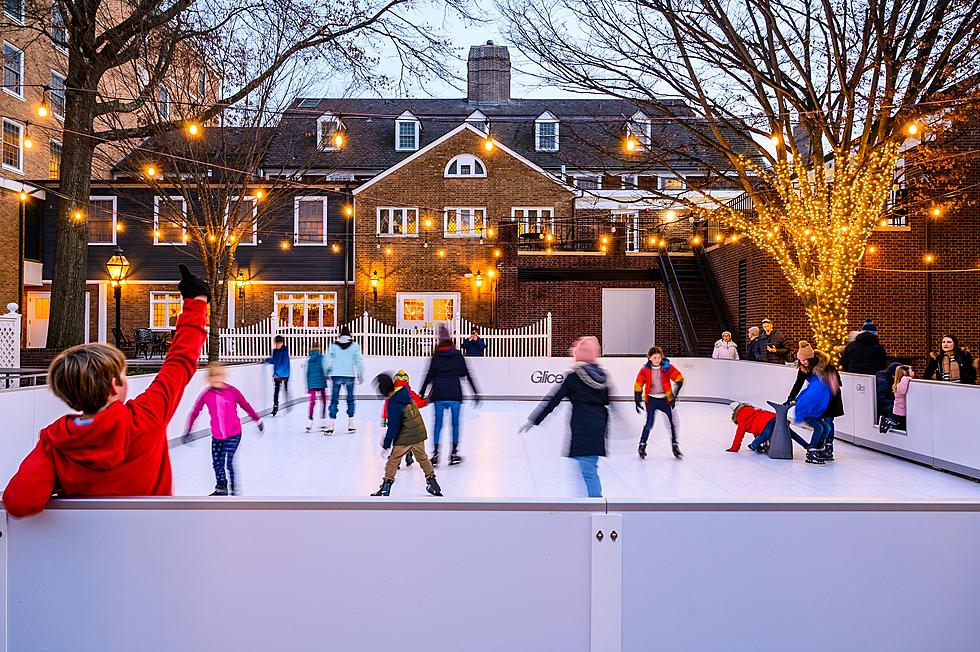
(638, 399)
(673, 402)
(191, 286)
(527, 426)
(477, 400)
(384, 452)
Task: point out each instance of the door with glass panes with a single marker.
(427, 309)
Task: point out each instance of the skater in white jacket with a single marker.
(725, 348)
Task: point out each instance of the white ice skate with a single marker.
(328, 426)
(351, 425)
(309, 425)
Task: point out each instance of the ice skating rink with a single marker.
(500, 463)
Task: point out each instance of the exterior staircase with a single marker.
(696, 301)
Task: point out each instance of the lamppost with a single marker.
(118, 268)
(375, 281)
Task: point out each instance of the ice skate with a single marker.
(642, 450)
(220, 490)
(309, 425)
(409, 459)
(826, 453)
(454, 458)
(677, 451)
(813, 456)
(435, 456)
(236, 490)
(385, 489)
(351, 425)
(432, 486)
(329, 426)
(275, 409)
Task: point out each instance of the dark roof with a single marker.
(590, 132)
(230, 148)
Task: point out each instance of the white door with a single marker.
(427, 309)
(627, 321)
(38, 311)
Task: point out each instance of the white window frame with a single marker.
(541, 222)
(546, 118)
(404, 217)
(632, 226)
(255, 215)
(479, 120)
(17, 19)
(64, 93)
(630, 181)
(407, 118)
(429, 298)
(156, 298)
(472, 233)
(56, 11)
(324, 138)
(111, 198)
(663, 180)
(465, 159)
(20, 147)
(598, 178)
(19, 93)
(60, 149)
(276, 302)
(156, 221)
(326, 237)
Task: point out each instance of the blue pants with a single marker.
(653, 405)
(453, 407)
(222, 457)
(821, 431)
(278, 382)
(336, 382)
(589, 465)
(766, 434)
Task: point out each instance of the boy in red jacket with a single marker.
(654, 391)
(758, 423)
(113, 447)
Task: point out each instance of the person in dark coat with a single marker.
(776, 346)
(586, 387)
(952, 364)
(755, 348)
(806, 363)
(865, 355)
(446, 371)
(474, 346)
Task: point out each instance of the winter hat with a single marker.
(384, 384)
(805, 352)
(869, 326)
(401, 376)
(586, 349)
(344, 331)
(443, 333)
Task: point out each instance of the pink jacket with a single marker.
(223, 407)
(903, 388)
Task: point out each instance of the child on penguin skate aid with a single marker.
(657, 386)
(405, 433)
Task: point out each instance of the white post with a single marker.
(548, 345)
(10, 337)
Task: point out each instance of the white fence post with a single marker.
(10, 337)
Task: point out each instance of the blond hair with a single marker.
(82, 375)
(900, 372)
(215, 367)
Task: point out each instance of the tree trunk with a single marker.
(66, 326)
(218, 272)
(828, 321)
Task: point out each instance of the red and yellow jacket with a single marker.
(418, 400)
(644, 379)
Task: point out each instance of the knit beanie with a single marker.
(586, 349)
(442, 333)
(401, 376)
(869, 326)
(805, 352)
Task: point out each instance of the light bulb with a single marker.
(42, 111)
(338, 139)
(488, 144)
(151, 171)
(22, 196)
(194, 129)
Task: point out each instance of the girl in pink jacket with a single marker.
(903, 375)
(223, 402)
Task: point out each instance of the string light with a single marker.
(496, 253)
(696, 240)
(284, 245)
(211, 237)
(774, 139)
(387, 251)
(232, 238)
(548, 251)
(119, 227)
(151, 171)
(604, 248)
(42, 110)
(335, 248)
(428, 222)
(872, 249)
(718, 237)
(912, 129)
(488, 144)
(22, 195)
(490, 232)
(28, 143)
(662, 243)
(193, 129)
(671, 214)
(442, 253)
(929, 259)
(77, 216)
(605, 240)
(491, 273)
(156, 233)
(259, 194)
(936, 211)
(348, 210)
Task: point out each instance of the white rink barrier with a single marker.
(248, 575)
(943, 428)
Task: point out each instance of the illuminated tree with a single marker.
(806, 103)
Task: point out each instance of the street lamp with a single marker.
(241, 282)
(374, 284)
(118, 268)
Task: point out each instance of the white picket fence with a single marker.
(251, 343)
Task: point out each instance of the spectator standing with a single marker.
(776, 347)
(755, 349)
(725, 348)
(952, 364)
(474, 346)
(865, 355)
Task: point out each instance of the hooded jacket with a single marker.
(123, 451)
(865, 355)
(725, 350)
(586, 386)
(279, 361)
(644, 379)
(315, 377)
(446, 371)
(405, 423)
(813, 400)
(750, 420)
(968, 373)
(222, 404)
(345, 359)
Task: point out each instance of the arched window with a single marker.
(466, 165)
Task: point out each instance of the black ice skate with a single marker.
(677, 451)
(454, 458)
(275, 409)
(813, 456)
(432, 486)
(220, 490)
(642, 450)
(409, 459)
(434, 458)
(385, 489)
(826, 453)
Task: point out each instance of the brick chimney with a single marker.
(488, 73)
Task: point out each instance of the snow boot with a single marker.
(813, 456)
(385, 489)
(677, 451)
(642, 450)
(328, 426)
(220, 490)
(309, 425)
(454, 458)
(409, 459)
(351, 425)
(432, 486)
(435, 456)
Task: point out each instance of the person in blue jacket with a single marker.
(316, 384)
(280, 371)
(474, 346)
(345, 365)
(812, 403)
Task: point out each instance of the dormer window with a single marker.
(640, 127)
(329, 132)
(406, 132)
(546, 133)
(479, 120)
(466, 165)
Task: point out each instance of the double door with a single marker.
(426, 310)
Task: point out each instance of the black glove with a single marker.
(185, 438)
(477, 400)
(673, 402)
(638, 399)
(191, 286)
